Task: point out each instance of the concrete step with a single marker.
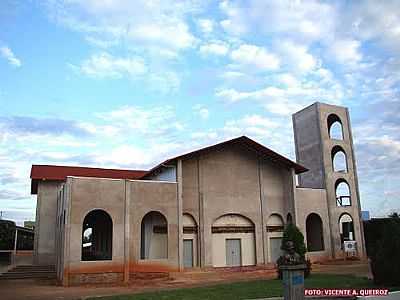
(29, 272)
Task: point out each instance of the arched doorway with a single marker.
(233, 241)
(154, 236)
(97, 236)
(314, 231)
(189, 241)
(346, 228)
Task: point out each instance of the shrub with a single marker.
(293, 233)
(7, 235)
(385, 258)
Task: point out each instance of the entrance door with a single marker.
(233, 252)
(188, 253)
(275, 247)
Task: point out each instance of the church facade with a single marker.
(225, 205)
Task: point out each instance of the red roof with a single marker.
(261, 150)
(47, 172)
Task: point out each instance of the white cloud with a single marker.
(289, 94)
(374, 21)
(104, 65)
(206, 25)
(254, 56)
(138, 24)
(201, 111)
(346, 51)
(296, 56)
(7, 53)
(303, 20)
(214, 48)
(164, 82)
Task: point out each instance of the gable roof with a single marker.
(263, 151)
(60, 173)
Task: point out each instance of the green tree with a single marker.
(7, 234)
(292, 233)
(385, 261)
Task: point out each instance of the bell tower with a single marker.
(324, 144)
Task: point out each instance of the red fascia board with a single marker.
(60, 173)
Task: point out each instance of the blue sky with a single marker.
(126, 84)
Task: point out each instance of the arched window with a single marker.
(314, 231)
(97, 236)
(154, 236)
(335, 127)
(189, 223)
(346, 228)
(342, 193)
(275, 223)
(339, 160)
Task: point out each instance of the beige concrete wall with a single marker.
(331, 177)
(233, 180)
(127, 202)
(314, 201)
(144, 197)
(46, 216)
(88, 194)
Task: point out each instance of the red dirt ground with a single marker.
(46, 290)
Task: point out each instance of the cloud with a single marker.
(144, 23)
(346, 51)
(11, 195)
(214, 48)
(160, 122)
(305, 21)
(254, 56)
(375, 22)
(296, 56)
(104, 65)
(10, 56)
(286, 93)
(22, 125)
(201, 111)
(206, 25)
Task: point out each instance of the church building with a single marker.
(224, 205)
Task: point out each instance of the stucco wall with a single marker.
(314, 201)
(233, 180)
(126, 202)
(144, 197)
(46, 215)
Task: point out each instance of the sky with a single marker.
(127, 84)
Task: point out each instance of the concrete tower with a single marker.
(324, 144)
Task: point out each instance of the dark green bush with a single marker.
(384, 250)
(7, 235)
(293, 233)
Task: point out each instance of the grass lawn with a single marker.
(248, 289)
